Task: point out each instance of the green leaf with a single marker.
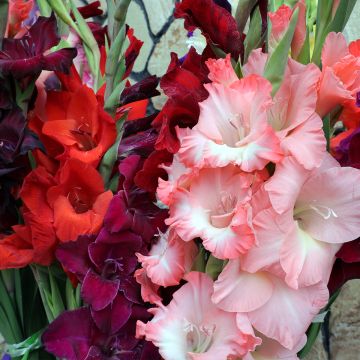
(110, 157)
(91, 47)
(327, 130)
(214, 267)
(72, 302)
(24, 347)
(200, 263)
(19, 296)
(4, 8)
(56, 299)
(62, 12)
(9, 313)
(242, 13)
(120, 15)
(325, 25)
(276, 64)
(304, 56)
(253, 38)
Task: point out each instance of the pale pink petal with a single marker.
(148, 288)
(266, 253)
(221, 71)
(256, 63)
(288, 313)
(280, 20)
(232, 128)
(295, 101)
(306, 143)
(297, 256)
(192, 327)
(229, 289)
(331, 92)
(271, 349)
(178, 176)
(300, 29)
(284, 186)
(165, 264)
(334, 49)
(328, 205)
(197, 150)
(215, 209)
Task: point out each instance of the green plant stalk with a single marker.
(242, 13)
(10, 326)
(120, 15)
(276, 64)
(44, 288)
(112, 61)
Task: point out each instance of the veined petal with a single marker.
(229, 293)
(297, 256)
(331, 203)
(301, 306)
(284, 186)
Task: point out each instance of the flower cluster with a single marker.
(104, 265)
(252, 186)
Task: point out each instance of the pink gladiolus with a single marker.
(269, 303)
(215, 208)
(232, 128)
(168, 259)
(340, 79)
(192, 327)
(307, 221)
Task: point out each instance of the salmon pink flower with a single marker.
(280, 21)
(168, 259)
(215, 208)
(269, 303)
(340, 80)
(192, 327)
(308, 222)
(293, 113)
(232, 128)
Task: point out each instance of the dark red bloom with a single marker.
(144, 89)
(183, 84)
(131, 52)
(348, 151)
(84, 341)
(215, 22)
(30, 55)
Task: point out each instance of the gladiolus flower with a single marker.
(76, 122)
(232, 128)
(215, 208)
(308, 222)
(168, 259)
(192, 327)
(269, 303)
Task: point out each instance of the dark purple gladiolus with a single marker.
(144, 89)
(30, 55)
(348, 151)
(84, 341)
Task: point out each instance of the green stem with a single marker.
(43, 285)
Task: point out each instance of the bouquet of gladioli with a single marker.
(210, 230)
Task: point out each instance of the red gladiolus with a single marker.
(75, 126)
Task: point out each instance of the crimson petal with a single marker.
(70, 342)
(216, 23)
(112, 318)
(98, 292)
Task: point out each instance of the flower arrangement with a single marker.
(221, 227)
